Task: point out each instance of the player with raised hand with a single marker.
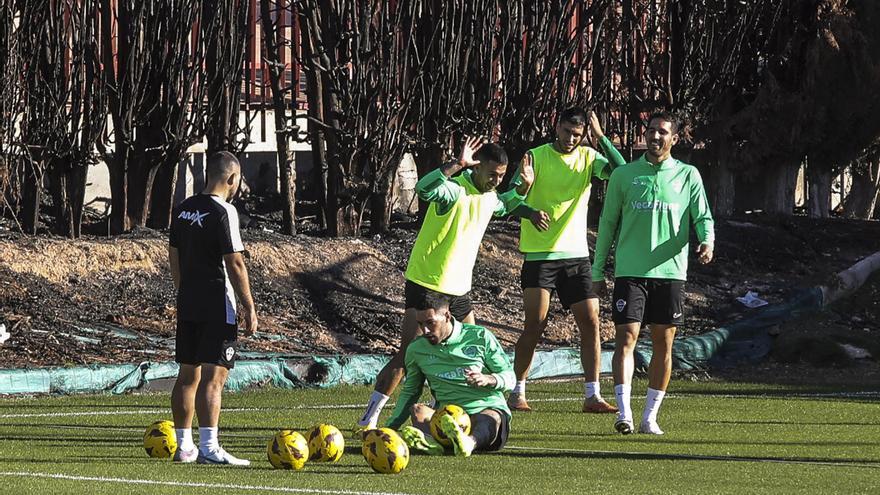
(444, 253)
(555, 247)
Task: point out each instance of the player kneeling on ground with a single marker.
(464, 365)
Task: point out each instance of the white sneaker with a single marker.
(650, 427)
(186, 455)
(220, 456)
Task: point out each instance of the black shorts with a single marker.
(503, 432)
(648, 301)
(201, 342)
(459, 306)
(571, 278)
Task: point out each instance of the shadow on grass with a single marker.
(521, 452)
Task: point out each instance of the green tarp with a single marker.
(745, 340)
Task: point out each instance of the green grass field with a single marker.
(720, 438)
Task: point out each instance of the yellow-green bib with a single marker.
(446, 248)
(562, 190)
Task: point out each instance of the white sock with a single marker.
(652, 405)
(208, 440)
(374, 408)
(623, 392)
(520, 388)
(184, 438)
(591, 389)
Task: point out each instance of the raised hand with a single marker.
(471, 145)
(526, 175)
(595, 129)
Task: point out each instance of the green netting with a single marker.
(745, 340)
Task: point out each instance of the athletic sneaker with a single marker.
(650, 427)
(623, 426)
(598, 406)
(221, 457)
(358, 432)
(462, 444)
(417, 441)
(517, 402)
(186, 456)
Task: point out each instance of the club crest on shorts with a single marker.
(620, 305)
(230, 353)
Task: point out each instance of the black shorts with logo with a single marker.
(648, 301)
(459, 306)
(201, 342)
(501, 437)
(571, 278)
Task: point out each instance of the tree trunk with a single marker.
(778, 188)
(58, 191)
(30, 198)
(427, 158)
(381, 204)
(818, 190)
(141, 176)
(723, 189)
(162, 199)
(315, 99)
(283, 131)
(862, 197)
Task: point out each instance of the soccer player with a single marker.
(556, 250)
(205, 253)
(443, 256)
(464, 365)
(648, 212)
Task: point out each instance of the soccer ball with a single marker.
(159, 440)
(287, 450)
(460, 417)
(326, 443)
(385, 451)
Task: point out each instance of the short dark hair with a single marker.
(220, 165)
(668, 116)
(432, 300)
(491, 152)
(574, 115)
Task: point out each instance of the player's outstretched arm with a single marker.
(412, 390)
(608, 158)
(435, 187)
(238, 277)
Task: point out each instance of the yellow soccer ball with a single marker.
(159, 440)
(385, 451)
(460, 417)
(287, 450)
(326, 443)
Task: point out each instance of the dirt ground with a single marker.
(99, 300)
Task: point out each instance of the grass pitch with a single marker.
(720, 438)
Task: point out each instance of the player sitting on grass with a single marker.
(464, 365)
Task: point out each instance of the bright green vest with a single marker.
(443, 257)
(562, 190)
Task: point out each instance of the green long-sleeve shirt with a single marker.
(648, 213)
(444, 364)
